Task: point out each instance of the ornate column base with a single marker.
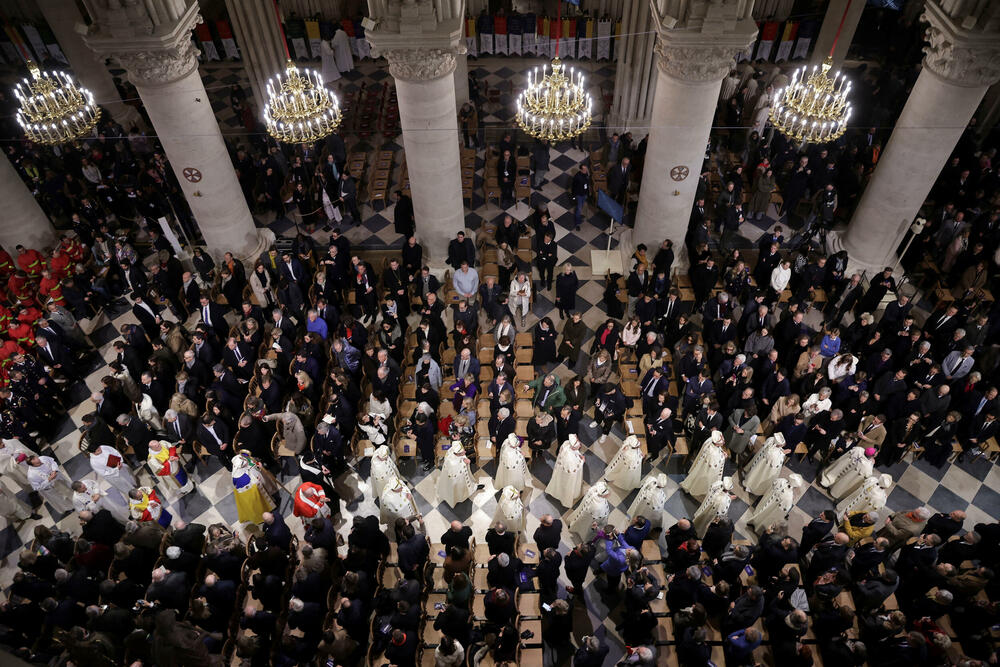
(254, 248)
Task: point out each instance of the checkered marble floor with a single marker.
(970, 485)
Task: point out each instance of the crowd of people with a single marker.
(310, 354)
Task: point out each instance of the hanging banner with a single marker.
(500, 34)
(586, 47)
(21, 50)
(205, 42)
(569, 37)
(542, 37)
(804, 41)
(787, 41)
(486, 43)
(312, 32)
(528, 28)
(603, 40)
(768, 35)
(471, 43)
(514, 44)
(484, 26)
(36, 42)
(228, 42)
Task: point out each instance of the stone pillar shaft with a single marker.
(23, 220)
(635, 79)
(461, 79)
(694, 52)
(828, 31)
(63, 18)
(962, 60)
(259, 38)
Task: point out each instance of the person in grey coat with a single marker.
(740, 427)
(433, 370)
(295, 434)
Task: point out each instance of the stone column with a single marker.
(421, 52)
(461, 79)
(635, 77)
(66, 22)
(259, 38)
(23, 220)
(152, 42)
(962, 60)
(828, 31)
(694, 53)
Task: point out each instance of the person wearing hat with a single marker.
(593, 508)
(765, 465)
(715, 504)
(625, 469)
(707, 467)
(650, 500)
(870, 496)
(165, 463)
(774, 506)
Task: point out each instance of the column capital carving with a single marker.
(702, 41)
(151, 41)
(420, 64)
(958, 49)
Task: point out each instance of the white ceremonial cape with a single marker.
(716, 503)
(847, 473)
(650, 500)
(625, 469)
(763, 468)
(593, 508)
(567, 474)
(383, 470)
(706, 470)
(512, 469)
(455, 483)
(510, 509)
(774, 506)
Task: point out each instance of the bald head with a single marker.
(842, 538)
(456, 526)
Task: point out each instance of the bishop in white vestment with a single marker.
(765, 466)
(455, 483)
(510, 509)
(512, 469)
(707, 468)
(396, 502)
(567, 474)
(849, 471)
(776, 504)
(625, 469)
(870, 497)
(716, 503)
(594, 508)
(650, 500)
(383, 470)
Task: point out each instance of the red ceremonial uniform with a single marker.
(31, 262)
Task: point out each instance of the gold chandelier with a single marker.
(814, 109)
(299, 108)
(555, 107)
(53, 108)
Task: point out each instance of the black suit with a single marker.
(215, 316)
(213, 443)
(147, 319)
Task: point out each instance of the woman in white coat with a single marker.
(455, 483)
(512, 469)
(567, 475)
(625, 469)
(594, 508)
(383, 470)
(708, 466)
(716, 503)
(650, 500)
(510, 509)
(849, 471)
(765, 466)
(776, 504)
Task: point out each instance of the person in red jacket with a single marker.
(19, 288)
(72, 248)
(60, 263)
(30, 315)
(50, 287)
(30, 261)
(22, 334)
(6, 264)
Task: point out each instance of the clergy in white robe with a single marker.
(328, 60)
(9, 467)
(625, 469)
(148, 413)
(870, 496)
(383, 470)
(13, 508)
(396, 502)
(510, 509)
(650, 500)
(512, 469)
(594, 508)
(252, 501)
(341, 44)
(707, 467)
(716, 503)
(145, 505)
(765, 466)
(165, 464)
(110, 466)
(849, 471)
(455, 483)
(45, 478)
(567, 474)
(87, 495)
(776, 503)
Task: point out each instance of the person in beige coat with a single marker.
(599, 371)
(872, 430)
(901, 526)
(784, 406)
(293, 432)
(181, 403)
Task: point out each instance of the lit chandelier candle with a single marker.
(53, 109)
